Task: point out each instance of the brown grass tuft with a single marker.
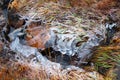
(106, 4)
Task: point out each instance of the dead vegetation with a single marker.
(68, 13)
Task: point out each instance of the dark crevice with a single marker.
(58, 57)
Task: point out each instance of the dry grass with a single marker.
(106, 4)
(106, 59)
(10, 70)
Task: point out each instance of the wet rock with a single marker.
(117, 72)
(26, 52)
(67, 40)
(96, 37)
(65, 43)
(1, 46)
